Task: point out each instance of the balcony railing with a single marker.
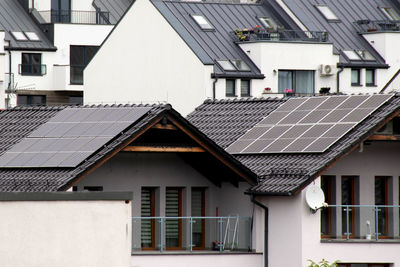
(219, 234)
(362, 222)
(364, 26)
(75, 17)
(279, 35)
(32, 69)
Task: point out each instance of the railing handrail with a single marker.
(193, 217)
(363, 206)
(279, 34)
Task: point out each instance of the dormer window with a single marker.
(390, 13)
(19, 36)
(226, 65)
(351, 55)
(32, 36)
(327, 13)
(240, 65)
(365, 55)
(202, 22)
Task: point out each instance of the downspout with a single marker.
(338, 80)
(9, 74)
(214, 82)
(266, 213)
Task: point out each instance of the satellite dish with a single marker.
(315, 197)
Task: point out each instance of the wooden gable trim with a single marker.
(162, 149)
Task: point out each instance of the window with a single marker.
(31, 64)
(327, 13)
(390, 13)
(148, 225)
(202, 22)
(230, 87)
(381, 198)
(328, 215)
(31, 100)
(355, 77)
(173, 227)
(240, 65)
(351, 55)
(300, 81)
(370, 77)
(32, 36)
(226, 65)
(79, 58)
(348, 198)
(365, 55)
(244, 88)
(268, 23)
(61, 11)
(198, 210)
(76, 100)
(19, 36)
(93, 188)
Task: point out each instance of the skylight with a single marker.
(327, 13)
(226, 65)
(32, 36)
(351, 55)
(203, 23)
(240, 65)
(364, 54)
(19, 36)
(390, 13)
(267, 22)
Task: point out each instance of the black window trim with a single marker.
(373, 77)
(234, 88)
(249, 83)
(42, 67)
(359, 77)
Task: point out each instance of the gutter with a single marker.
(338, 79)
(266, 219)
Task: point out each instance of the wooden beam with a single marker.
(383, 137)
(162, 149)
(164, 127)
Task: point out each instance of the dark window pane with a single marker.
(304, 82)
(230, 87)
(347, 199)
(245, 87)
(76, 100)
(31, 64)
(22, 100)
(77, 55)
(285, 80)
(31, 100)
(381, 198)
(79, 58)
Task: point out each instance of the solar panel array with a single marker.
(307, 125)
(70, 137)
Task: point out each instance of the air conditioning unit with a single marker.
(386, 129)
(326, 70)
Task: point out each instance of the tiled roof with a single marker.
(225, 121)
(13, 17)
(343, 34)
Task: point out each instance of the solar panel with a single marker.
(71, 136)
(307, 125)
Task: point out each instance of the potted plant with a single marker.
(288, 92)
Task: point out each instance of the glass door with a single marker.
(173, 227)
(198, 210)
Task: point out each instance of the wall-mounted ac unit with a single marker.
(326, 70)
(386, 129)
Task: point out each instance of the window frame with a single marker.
(389, 13)
(234, 88)
(329, 198)
(30, 65)
(202, 190)
(221, 63)
(352, 180)
(30, 98)
(180, 233)
(386, 202)
(325, 8)
(85, 61)
(210, 26)
(152, 192)
(248, 94)
(358, 83)
(267, 22)
(294, 86)
(373, 71)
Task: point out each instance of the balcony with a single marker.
(32, 69)
(362, 223)
(230, 234)
(364, 26)
(75, 17)
(256, 35)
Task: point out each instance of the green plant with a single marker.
(323, 263)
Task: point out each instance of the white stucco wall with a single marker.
(64, 233)
(134, 65)
(271, 57)
(81, 5)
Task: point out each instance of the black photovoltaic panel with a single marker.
(307, 125)
(71, 136)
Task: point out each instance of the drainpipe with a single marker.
(9, 74)
(338, 79)
(266, 213)
(214, 82)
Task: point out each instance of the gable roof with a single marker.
(13, 17)
(343, 33)
(16, 124)
(225, 121)
(217, 44)
(116, 8)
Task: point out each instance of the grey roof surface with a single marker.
(14, 18)
(216, 44)
(225, 121)
(116, 8)
(342, 34)
(19, 122)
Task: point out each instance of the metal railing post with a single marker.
(376, 224)
(161, 234)
(220, 221)
(191, 234)
(347, 223)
